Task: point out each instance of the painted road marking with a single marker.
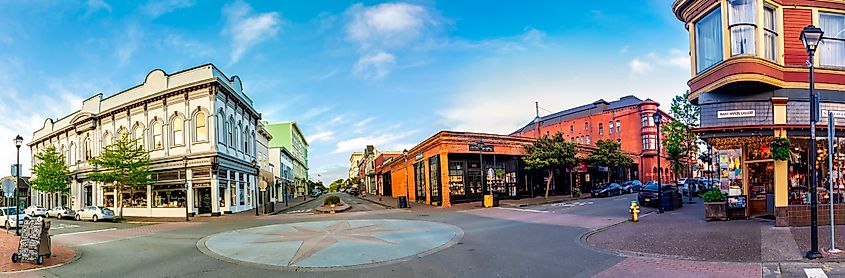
(572, 204)
(86, 232)
(815, 273)
(63, 226)
(526, 210)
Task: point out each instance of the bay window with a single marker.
(770, 34)
(742, 27)
(708, 40)
(832, 49)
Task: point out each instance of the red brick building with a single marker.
(627, 120)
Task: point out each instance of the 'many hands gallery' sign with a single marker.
(735, 114)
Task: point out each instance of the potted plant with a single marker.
(780, 149)
(715, 204)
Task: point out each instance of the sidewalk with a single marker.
(9, 244)
(391, 202)
(684, 234)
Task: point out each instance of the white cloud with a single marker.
(156, 8)
(364, 121)
(375, 66)
(332, 173)
(384, 140)
(127, 43)
(639, 66)
(246, 28)
(194, 48)
(92, 6)
(320, 136)
(314, 112)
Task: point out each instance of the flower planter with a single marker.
(715, 211)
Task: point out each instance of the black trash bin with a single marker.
(667, 201)
(496, 199)
(403, 202)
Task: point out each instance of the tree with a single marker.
(608, 153)
(125, 164)
(679, 140)
(336, 185)
(549, 153)
(51, 173)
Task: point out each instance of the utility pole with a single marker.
(537, 120)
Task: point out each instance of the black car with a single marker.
(631, 186)
(607, 190)
(648, 194)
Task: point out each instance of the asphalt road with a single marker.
(495, 244)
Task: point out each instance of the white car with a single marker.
(35, 211)
(61, 212)
(94, 214)
(10, 216)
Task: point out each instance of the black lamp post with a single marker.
(657, 119)
(255, 186)
(18, 143)
(187, 190)
(480, 145)
(407, 185)
(811, 36)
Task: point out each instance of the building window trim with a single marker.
(702, 65)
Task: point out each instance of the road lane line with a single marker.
(815, 273)
(85, 232)
(527, 210)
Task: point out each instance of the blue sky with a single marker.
(350, 73)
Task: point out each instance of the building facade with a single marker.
(354, 161)
(198, 126)
(627, 120)
(289, 136)
(284, 187)
(750, 78)
(267, 178)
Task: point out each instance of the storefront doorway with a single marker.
(761, 189)
(203, 202)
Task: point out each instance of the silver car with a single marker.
(61, 212)
(10, 215)
(35, 211)
(94, 214)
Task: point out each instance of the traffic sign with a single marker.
(8, 187)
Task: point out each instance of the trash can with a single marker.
(403, 202)
(668, 201)
(496, 200)
(488, 200)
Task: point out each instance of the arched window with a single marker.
(230, 133)
(201, 130)
(86, 151)
(139, 136)
(238, 138)
(246, 142)
(72, 155)
(64, 155)
(120, 133)
(178, 125)
(618, 126)
(107, 139)
(157, 138)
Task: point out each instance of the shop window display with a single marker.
(456, 178)
(730, 171)
(169, 196)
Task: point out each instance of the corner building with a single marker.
(200, 130)
(750, 78)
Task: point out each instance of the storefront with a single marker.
(449, 168)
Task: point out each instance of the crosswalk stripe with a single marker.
(528, 210)
(815, 273)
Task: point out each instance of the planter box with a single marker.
(716, 211)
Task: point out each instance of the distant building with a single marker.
(267, 178)
(287, 135)
(354, 160)
(197, 124)
(628, 121)
(25, 196)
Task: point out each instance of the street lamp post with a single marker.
(407, 185)
(480, 145)
(811, 36)
(657, 119)
(18, 143)
(255, 186)
(187, 190)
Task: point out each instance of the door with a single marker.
(473, 185)
(204, 198)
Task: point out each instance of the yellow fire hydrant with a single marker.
(635, 211)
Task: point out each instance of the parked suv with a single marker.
(10, 216)
(95, 213)
(35, 211)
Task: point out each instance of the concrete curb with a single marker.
(292, 207)
(78, 254)
(545, 202)
(375, 202)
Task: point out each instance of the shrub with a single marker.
(780, 149)
(331, 200)
(714, 195)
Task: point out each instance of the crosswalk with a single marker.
(571, 204)
(815, 273)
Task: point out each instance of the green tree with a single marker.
(125, 164)
(608, 153)
(51, 173)
(679, 139)
(336, 185)
(549, 153)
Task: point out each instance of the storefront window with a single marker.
(134, 198)
(730, 171)
(434, 177)
(456, 178)
(233, 193)
(169, 196)
(708, 40)
(419, 180)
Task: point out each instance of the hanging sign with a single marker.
(836, 113)
(475, 148)
(735, 114)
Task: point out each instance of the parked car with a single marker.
(316, 193)
(353, 191)
(94, 214)
(648, 194)
(631, 186)
(607, 190)
(61, 212)
(10, 216)
(35, 211)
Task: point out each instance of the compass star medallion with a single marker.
(331, 244)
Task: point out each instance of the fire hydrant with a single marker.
(635, 211)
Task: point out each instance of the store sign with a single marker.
(419, 156)
(475, 148)
(735, 114)
(836, 113)
(202, 185)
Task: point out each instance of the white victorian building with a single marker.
(200, 130)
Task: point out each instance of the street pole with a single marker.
(831, 134)
(811, 36)
(481, 166)
(407, 185)
(18, 142)
(657, 119)
(255, 186)
(187, 190)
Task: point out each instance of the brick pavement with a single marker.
(657, 268)
(9, 244)
(108, 235)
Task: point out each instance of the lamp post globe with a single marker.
(657, 121)
(811, 36)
